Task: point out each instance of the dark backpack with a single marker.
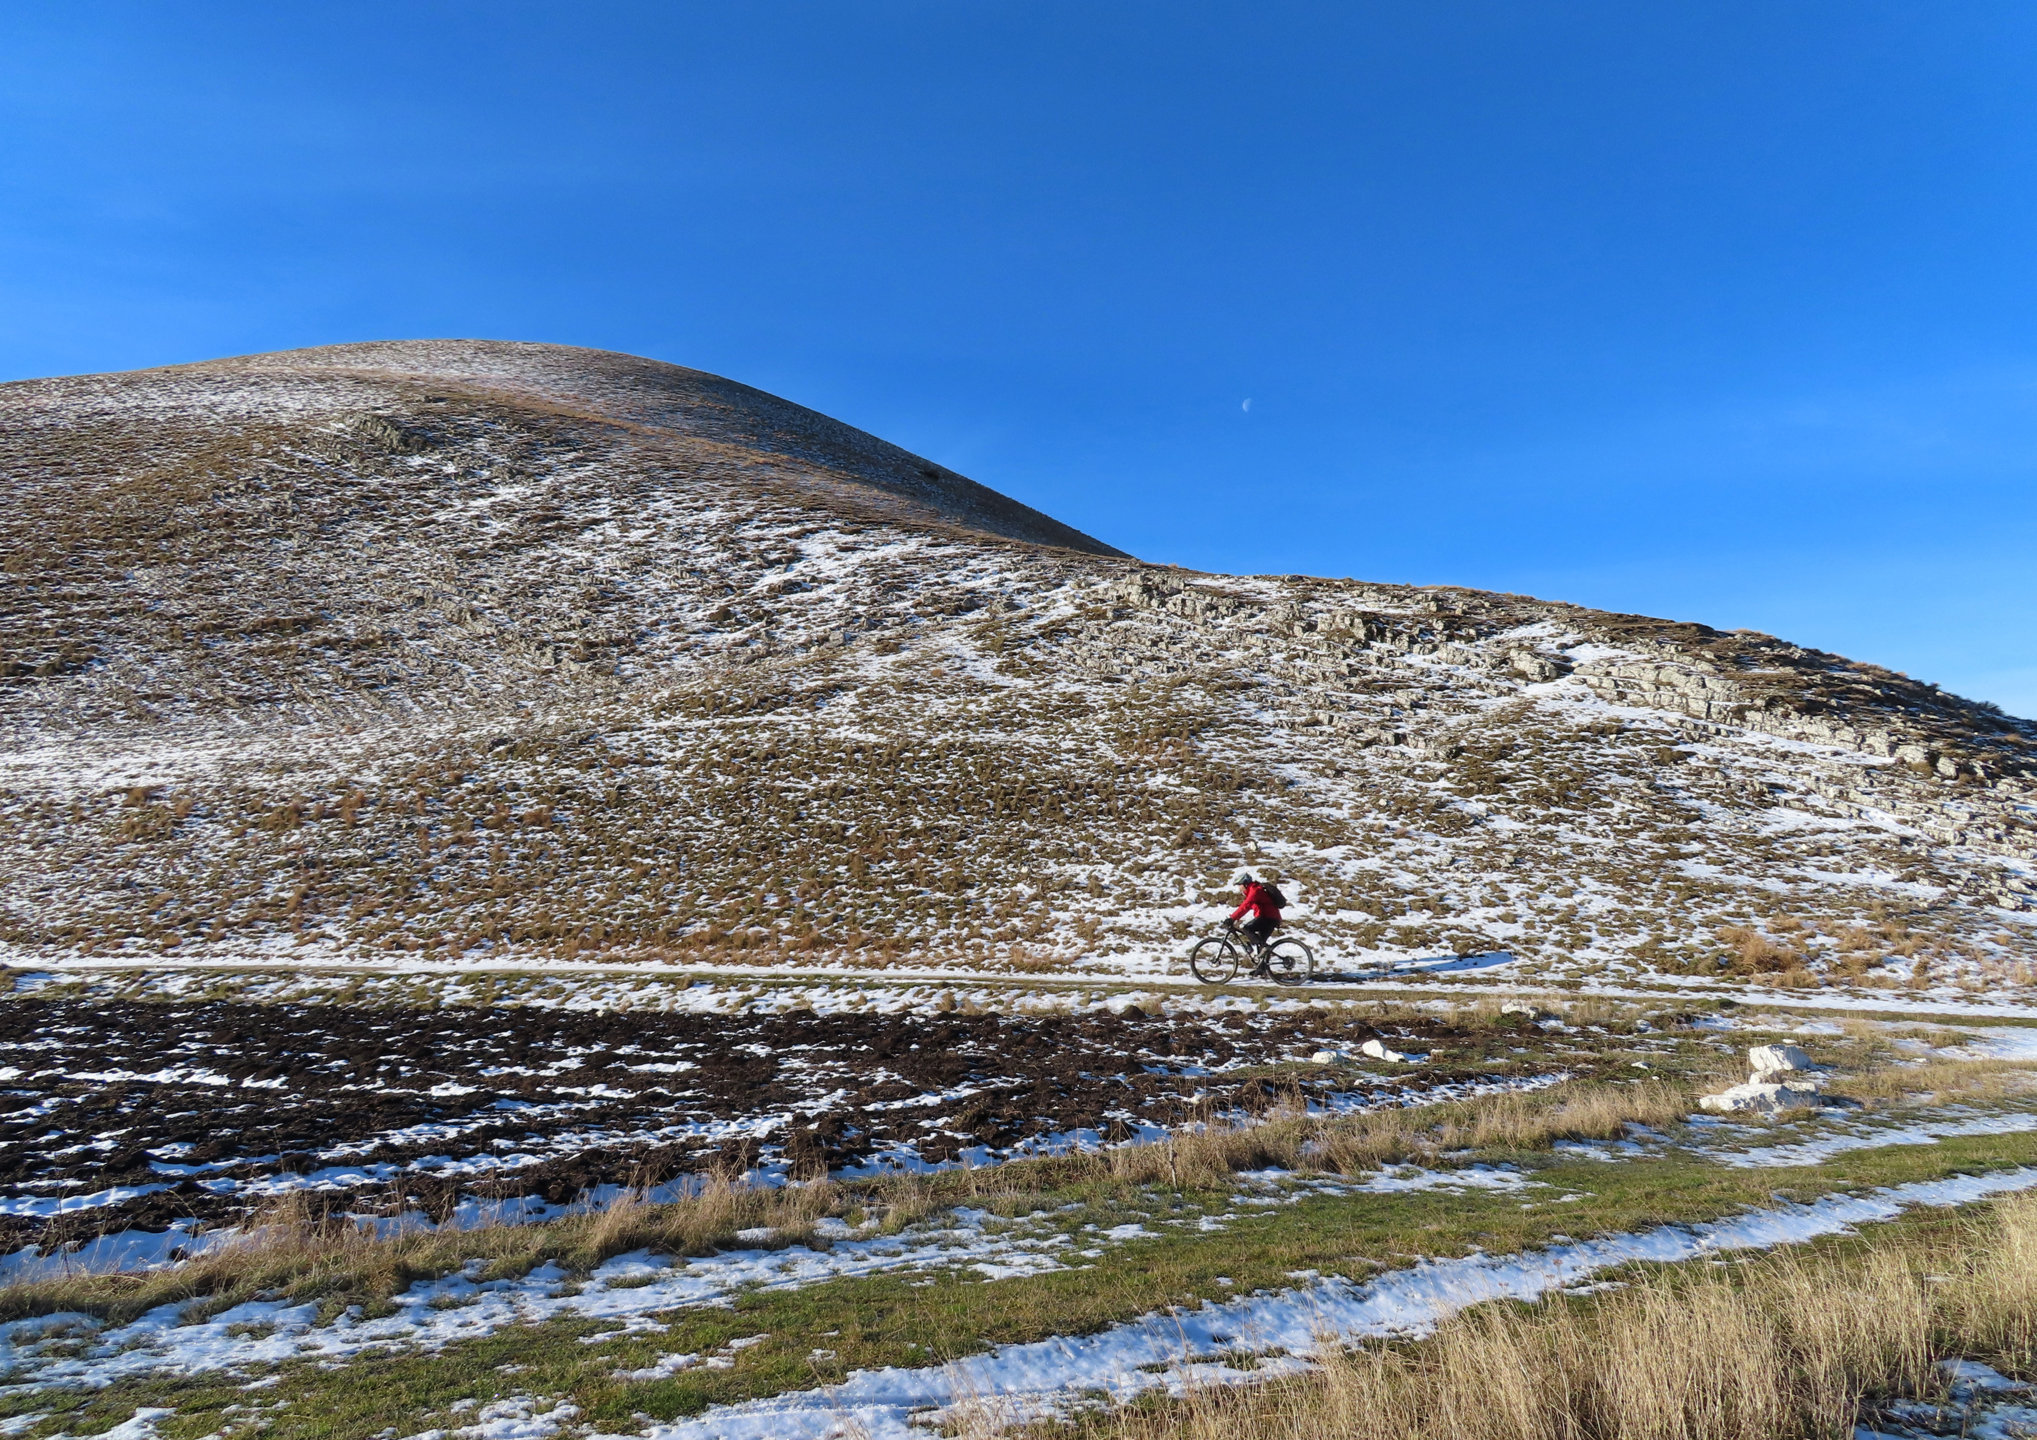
(1270, 895)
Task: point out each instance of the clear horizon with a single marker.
(1722, 315)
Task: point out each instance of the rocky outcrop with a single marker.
(1968, 791)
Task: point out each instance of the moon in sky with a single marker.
(1247, 406)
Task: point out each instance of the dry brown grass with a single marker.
(1756, 954)
(1980, 1080)
(293, 1251)
(1209, 1154)
(1353, 1144)
(1795, 1344)
(701, 1224)
(1516, 1121)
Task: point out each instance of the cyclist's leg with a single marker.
(1260, 929)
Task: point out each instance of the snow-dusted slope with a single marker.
(474, 650)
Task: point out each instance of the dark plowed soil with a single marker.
(226, 1105)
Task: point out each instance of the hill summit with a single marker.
(454, 652)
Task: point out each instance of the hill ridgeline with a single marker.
(449, 652)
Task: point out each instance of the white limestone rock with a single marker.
(1763, 1097)
(1379, 1051)
(1766, 1060)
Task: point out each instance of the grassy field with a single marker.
(1792, 1344)
(1311, 1218)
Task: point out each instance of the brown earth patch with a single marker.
(224, 1106)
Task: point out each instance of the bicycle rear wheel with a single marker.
(1291, 962)
(1214, 960)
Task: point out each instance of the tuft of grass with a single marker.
(293, 1251)
(1968, 1080)
(1354, 1144)
(1515, 1121)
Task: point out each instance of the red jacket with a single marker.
(1258, 898)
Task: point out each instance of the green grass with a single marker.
(924, 1319)
(1796, 1344)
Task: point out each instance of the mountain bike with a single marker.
(1218, 957)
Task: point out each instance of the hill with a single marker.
(463, 652)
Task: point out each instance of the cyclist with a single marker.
(1264, 900)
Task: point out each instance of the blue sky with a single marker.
(1719, 311)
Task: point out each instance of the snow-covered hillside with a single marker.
(462, 651)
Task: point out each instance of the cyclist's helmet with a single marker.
(1243, 877)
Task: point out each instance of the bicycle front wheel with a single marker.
(1213, 960)
(1291, 962)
